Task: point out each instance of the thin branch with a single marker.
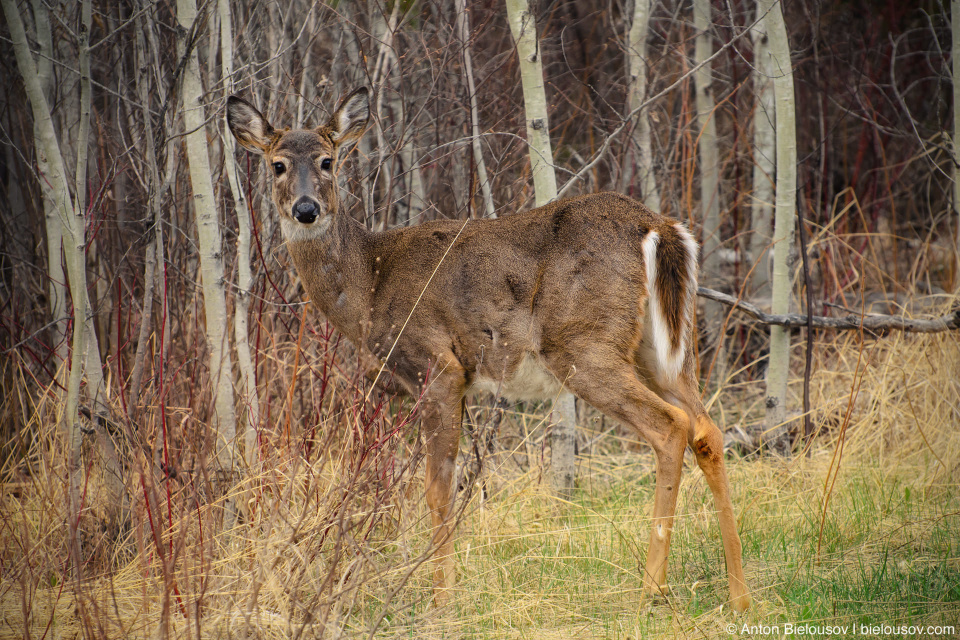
(871, 322)
(598, 156)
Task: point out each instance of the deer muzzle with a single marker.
(305, 210)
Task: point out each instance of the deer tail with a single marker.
(670, 258)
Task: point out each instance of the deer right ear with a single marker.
(248, 125)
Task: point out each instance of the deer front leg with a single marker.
(441, 415)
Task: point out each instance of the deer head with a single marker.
(304, 162)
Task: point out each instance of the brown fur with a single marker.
(458, 303)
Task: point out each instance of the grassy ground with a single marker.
(862, 535)
(887, 554)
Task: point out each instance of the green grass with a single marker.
(535, 567)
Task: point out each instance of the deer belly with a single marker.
(529, 381)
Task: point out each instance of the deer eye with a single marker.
(278, 168)
(325, 164)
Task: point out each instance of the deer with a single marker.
(594, 294)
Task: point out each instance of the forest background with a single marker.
(189, 451)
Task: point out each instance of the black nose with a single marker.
(305, 211)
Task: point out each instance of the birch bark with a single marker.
(251, 401)
(709, 158)
(524, 27)
(53, 227)
(211, 254)
(463, 33)
(764, 155)
(70, 214)
(639, 162)
(778, 368)
(523, 24)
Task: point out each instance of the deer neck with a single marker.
(335, 267)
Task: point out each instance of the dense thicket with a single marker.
(873, 93)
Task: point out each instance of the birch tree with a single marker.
(211, 248)
(764, 150)
(245, 276)
(53, 227)
(785, 212)
(96, 387)
(413, 199)
(707, 151)
(523, 24)
(69, 211)
(639, 161)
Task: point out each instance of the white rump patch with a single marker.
(669, 361)
(693, 251)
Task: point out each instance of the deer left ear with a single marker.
(350, 119)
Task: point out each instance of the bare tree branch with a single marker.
(871, 322)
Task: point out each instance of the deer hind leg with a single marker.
(611, 385)
(706, 440)
(669, 469)
(441, 414)
(707, 443)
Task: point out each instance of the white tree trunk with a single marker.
(56, 188)
(56, 274)
(96, 387)
(413, 200)
(764, 152)
(524, 27)
(638, 165)
(211, 255)
(523, 24)
(784, 219)
(381, 82)
(709, 158)
(95, 384)
(251, 399)
(463, 33)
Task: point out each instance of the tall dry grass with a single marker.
(333, 534)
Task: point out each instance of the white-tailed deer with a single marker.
(595, 294)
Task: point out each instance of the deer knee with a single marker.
(707, 442)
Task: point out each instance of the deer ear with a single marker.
(249, 126)
(350, 119)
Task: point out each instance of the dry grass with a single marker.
(864, 530)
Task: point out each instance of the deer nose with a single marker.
(305, 210)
